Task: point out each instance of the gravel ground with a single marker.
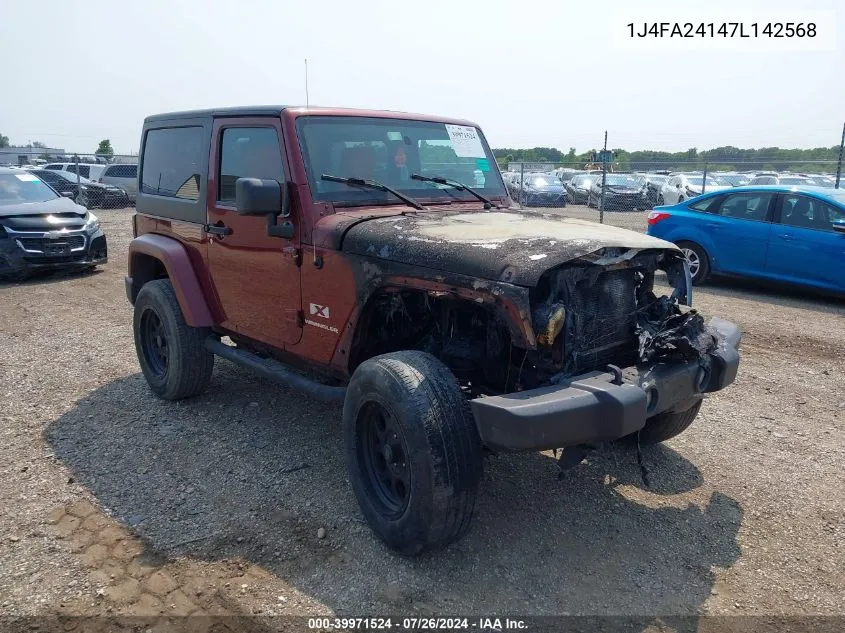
(116, 502)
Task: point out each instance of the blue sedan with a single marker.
(781, 233)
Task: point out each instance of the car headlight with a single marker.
(93, 223)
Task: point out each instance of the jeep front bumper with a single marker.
(597, 406)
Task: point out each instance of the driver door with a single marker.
(255, 276)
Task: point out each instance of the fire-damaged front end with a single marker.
(611, 353)
(561, 332)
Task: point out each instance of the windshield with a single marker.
(619, 180)
(731, 179)
(18, 188)
(70, 177)
(389, 151)
(545, 181)
(696, 181)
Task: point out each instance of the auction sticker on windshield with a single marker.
(465, 141)
(26, 177)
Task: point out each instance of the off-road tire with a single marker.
(703, 271)
(419, 397)
(664, 426)
(188, 366)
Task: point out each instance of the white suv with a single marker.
(86, 170)
(123, 176)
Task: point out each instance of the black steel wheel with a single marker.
(382, 450)
(154, 342)
(412, 451)
(171, 352)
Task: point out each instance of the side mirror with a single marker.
(254, 196)
(66, 194)
(839, 226)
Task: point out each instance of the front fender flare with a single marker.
(176, 261)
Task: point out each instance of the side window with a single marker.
(84, 170)
(746, 206)
(708, 204)
(53, 167)
(130, 171)
(172, 162)
(809, 213)
(247, 152)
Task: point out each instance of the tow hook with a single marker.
(617, 374)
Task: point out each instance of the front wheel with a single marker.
(412, 451)
(170, 352)
(667, 425)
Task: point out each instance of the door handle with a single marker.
(785, 236)
(713, 225)
(219, 229)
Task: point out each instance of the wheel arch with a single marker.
(157, 256)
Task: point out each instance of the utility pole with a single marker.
(839, 164)
(603, 178)
(306, 82)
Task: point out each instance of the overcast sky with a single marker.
(530, 73)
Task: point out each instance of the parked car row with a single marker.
(639, 190)
(123, 176)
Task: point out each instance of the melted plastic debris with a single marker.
(664, 332)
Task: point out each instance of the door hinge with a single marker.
(300, 318)
(296, 255)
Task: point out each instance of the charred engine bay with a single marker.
(587, 314)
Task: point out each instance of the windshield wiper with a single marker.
(374, 184)
(456, 185)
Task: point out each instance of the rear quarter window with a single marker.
(173, 168)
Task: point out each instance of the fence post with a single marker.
(603, 179)
(839, 163)
(521, 182)
(704, 179)
(76, 160)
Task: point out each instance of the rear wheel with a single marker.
(664, 426)
(170, 352)
(699, 262)
(412, 451)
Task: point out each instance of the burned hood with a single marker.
(516, 247)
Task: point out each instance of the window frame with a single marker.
(182, 209)
(218, 166)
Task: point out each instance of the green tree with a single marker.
(104, 149)
(4, 141)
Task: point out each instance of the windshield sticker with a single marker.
(483, 164)
(26, 177)
(465, 141)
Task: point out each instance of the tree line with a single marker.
(104, 148)
(819, 159)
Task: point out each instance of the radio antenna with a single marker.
(306, 82)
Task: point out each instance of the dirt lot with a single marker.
(116, 502)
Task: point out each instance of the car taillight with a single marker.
(655, 216)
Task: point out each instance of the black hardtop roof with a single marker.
(265, 110)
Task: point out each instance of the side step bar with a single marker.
(275, 371)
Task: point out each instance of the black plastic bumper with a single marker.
(597, 407)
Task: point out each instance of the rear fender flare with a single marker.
(176, 261)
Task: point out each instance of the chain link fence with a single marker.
(590, 189)
(92, 181)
